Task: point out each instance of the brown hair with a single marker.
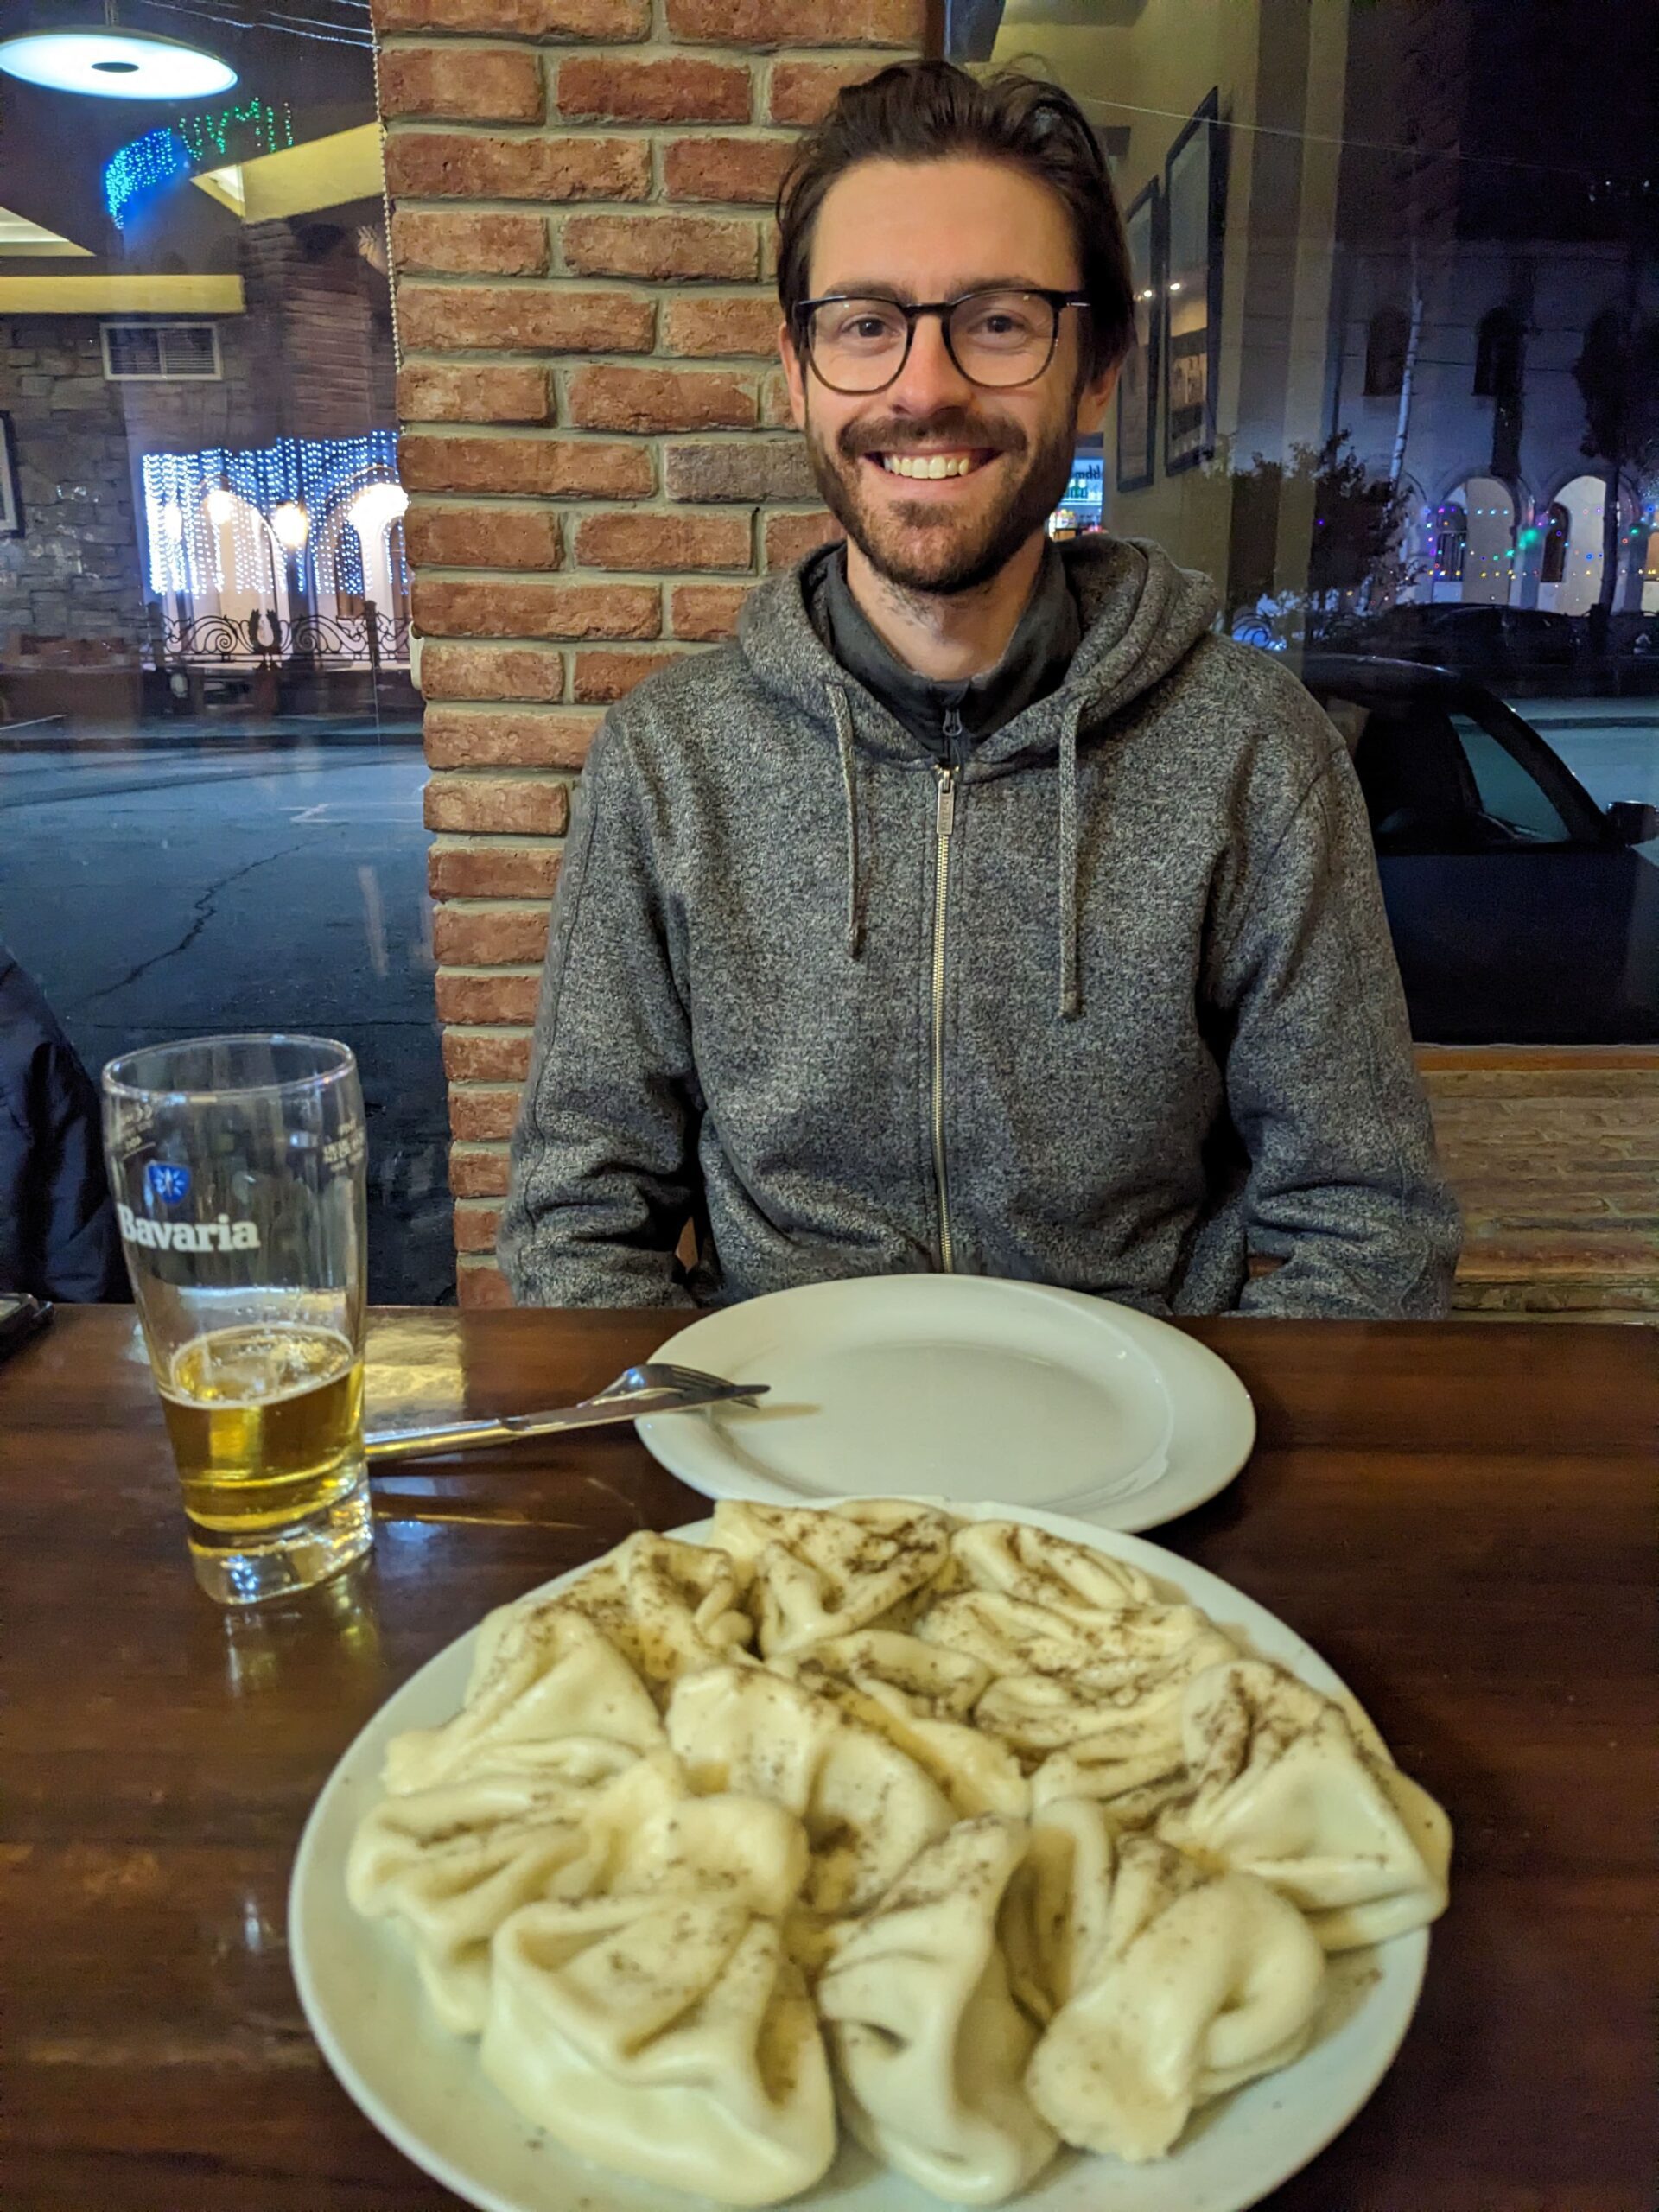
(930, 111)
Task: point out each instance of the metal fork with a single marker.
(654, 1387)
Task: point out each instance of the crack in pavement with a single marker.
(205, 909)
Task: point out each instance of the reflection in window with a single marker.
(1386, 346)
(1558, 531)
(1497, 355)
(1451, 543)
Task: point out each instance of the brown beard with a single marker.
(951, 559)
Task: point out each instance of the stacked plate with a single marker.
(974, 1389)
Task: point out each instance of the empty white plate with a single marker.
(966, 1387)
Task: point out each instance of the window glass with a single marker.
(1508, 793)
(209, 742)
(1397, 389)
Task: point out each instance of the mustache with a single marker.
(951, 426)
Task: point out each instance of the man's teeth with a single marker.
(928, 464)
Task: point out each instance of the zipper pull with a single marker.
(947, 813)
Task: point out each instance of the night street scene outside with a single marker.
(1405, 410)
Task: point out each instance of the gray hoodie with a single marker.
(1112, 1006)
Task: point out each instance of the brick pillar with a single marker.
(596, 447)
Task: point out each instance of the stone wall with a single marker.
(73, 583)
(595, 432)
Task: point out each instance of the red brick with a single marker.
(678, 91)
(430, 391)
(799, 23)
(481, 537)
(478, 84)
(596, 19)
(655, 541)
(550, 468)
(523, 318)
(706, 613)
(482, 1057)
(725, 323)
(739, 468)
(791, 538)
(492, 869)
(471, 737)
(476, 1227)
(492, 996)
(489, 937)
(453, 672)
(446, 607)
(659, 399)
(611, 675)
(768, 249)
(774, 401)
(473, 165)
(701, 168)
(455, 242)
(517, 805)
(656, 247)
(478, 1171)
(802, 92)
(477, 1286)
(483, 1117)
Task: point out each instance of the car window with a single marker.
(1509, 793)
(1350, 718)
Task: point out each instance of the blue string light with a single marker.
(134, 171)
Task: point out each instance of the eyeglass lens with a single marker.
(998, 338)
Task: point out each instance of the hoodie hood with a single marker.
(1141, 614)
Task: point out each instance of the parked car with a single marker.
(1520, 911)
(1509, 644)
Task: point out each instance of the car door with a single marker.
(1515, 918)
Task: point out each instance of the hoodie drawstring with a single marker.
(1070, 988)
(842, 710)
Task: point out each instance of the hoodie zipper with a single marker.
(944, 821)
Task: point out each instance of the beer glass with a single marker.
(236, 1165)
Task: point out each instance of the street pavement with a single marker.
(166, 889)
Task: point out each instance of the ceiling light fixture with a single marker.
(113, 64)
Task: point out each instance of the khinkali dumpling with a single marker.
(1285, 1789)
(541, 1674)
(1055, 1913)
(812, 1571)
(930, 2047)
(667, 1607)
(451, 1863)
(1039, 1568)
(1202, 1981)
(867, 1807)
(919, 1696)
(670, 2037)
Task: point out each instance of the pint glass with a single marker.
(237, 1167)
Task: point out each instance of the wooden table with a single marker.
(1458, 1516)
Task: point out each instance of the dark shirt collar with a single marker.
(1038, 654)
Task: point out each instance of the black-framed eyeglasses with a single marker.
(999, 337)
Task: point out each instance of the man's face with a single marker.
(929, 231)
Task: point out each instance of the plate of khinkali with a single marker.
(868, 1855)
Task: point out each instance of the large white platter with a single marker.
(423, 2088)
(967, 1386)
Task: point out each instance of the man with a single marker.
(978, 908)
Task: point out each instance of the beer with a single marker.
(266, 1424)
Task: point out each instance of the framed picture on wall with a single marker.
(12, 502)
(1137, 381)
(1194, 201)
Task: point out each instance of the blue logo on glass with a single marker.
(166, 1183)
